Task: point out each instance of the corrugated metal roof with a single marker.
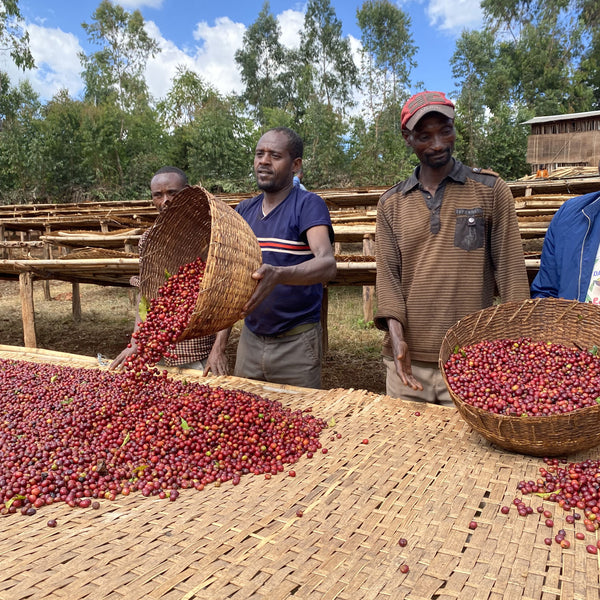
(567, 117)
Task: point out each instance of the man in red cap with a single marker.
(446, 238)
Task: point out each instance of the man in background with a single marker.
(191, 354)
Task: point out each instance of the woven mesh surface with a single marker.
(197, 224)
(567, 322)
(423, 478)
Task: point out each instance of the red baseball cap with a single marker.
(423, 103)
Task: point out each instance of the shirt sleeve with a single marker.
(545, 284)
(507, 247)
(390, 299)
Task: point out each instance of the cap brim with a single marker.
(448, 111)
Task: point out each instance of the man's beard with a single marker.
(439, 162)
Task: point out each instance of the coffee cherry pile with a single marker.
(167, 318)
(523, 377)
(74, 435)
(574, 487)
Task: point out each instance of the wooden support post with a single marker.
(46, 282)
(368, 290)
(337, 248)
(3, 251)
(76, 302)
(27, 311)
(324, 311)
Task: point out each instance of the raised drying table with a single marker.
(421, 477)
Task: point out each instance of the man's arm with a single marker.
(546, 281)
(320, 269)
(507, 247)
(216, 363)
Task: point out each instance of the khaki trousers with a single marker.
(288, 359)
(427, 374)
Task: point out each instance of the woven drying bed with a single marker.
(423, 478)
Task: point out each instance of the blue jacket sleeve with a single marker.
(547, 281)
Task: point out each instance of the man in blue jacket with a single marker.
(570, 262)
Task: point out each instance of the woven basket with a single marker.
(197, 224)
(567, 322)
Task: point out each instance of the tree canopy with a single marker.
(530, 58)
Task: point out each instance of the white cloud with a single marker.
(454, 15)
(291, 23)
(56, 57)
(134, 4)
(214, 58)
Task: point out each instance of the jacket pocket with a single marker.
(469, 232)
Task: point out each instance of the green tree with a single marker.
(20, 160)
(329, 70)
(13, 38)
(188, 94)
(379, 152)
(262, 62)
(117, 69)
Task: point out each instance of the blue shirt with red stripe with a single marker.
(283, 242)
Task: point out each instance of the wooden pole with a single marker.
(324, 312)
(368, 290)
(46, 282)
(76, 302)
(26, 293)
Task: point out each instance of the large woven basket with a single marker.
(197, 224)
(567, 322)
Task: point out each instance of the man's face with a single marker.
(164, 187)
(433, 139)
(273, 164)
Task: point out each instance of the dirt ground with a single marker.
(353, 359)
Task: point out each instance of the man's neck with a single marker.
(430, 178)
(272, 199)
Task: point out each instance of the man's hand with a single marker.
(118, 362)
(402, 355)
(268, 277)
(403, 366)
(216, 363)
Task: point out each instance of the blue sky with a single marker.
(204, 35)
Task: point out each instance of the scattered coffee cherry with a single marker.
(402, 542)
(417, 413)
(505, 510)
(404, 568)
(591, 549)
(292, 473)
(580, 536)
(51, 523)
(548, 541)
(473, 525)
(565, 543)
(365, 441)
(95, 505)
(549, 523)
(299, 513)
(324, 450)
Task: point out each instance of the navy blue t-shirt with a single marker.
(283, 242)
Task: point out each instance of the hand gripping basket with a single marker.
(197, 224)
(553, 320)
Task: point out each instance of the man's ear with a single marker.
(297, 164)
